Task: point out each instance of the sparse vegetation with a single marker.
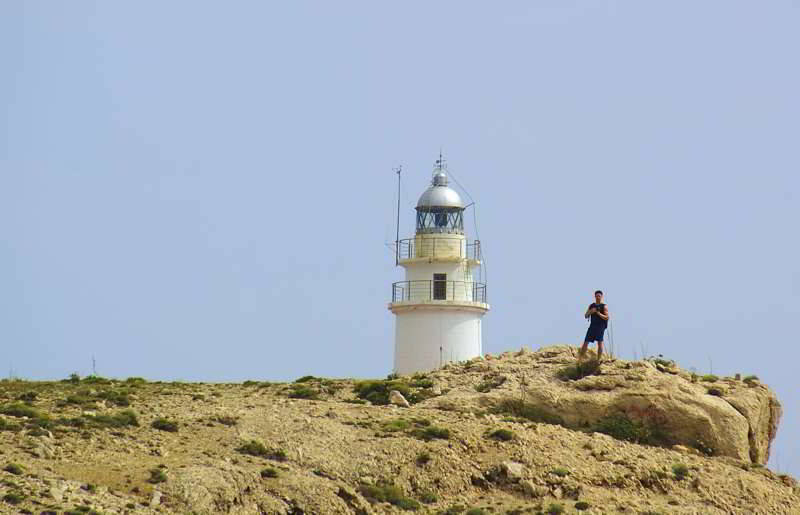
(423, 458)
(13, 498)
(582, 506)
(269, 472)
(709, 378)
(163, 424)
(428, 497)
(680, 471)
(256, 448)
(157, 475)
(13, 468)
(526, 410)
(489, 383)
(377, 391)
(750, 380)
(579, 370)
(306, 379)
(649, 430)
(300, 391)
(431, 433)
(19, 410)
(386, 492)
(555, 509)
(560, 472)
(503, 435)
(226, 420)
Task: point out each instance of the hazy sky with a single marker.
(204, 190)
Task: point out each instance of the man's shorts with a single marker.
(594, 334)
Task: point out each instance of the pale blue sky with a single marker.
(203, 190)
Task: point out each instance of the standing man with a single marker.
(599, 315)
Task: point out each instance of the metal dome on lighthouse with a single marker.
(439, 306)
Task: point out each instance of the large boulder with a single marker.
(725, 417)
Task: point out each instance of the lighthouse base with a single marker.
(426, 339)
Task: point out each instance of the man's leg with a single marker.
(582, 352)
(599, 350)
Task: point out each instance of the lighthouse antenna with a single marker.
(398, 170)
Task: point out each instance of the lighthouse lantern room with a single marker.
(439, 306)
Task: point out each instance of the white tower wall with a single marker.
(425, 339)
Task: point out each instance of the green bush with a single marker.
(393, 426)
(579, 370)
(13, 498)
(582, 506)
(751, 379)
(386, 492)
(95, 380)
(560, 472)
(423, 458)
(377, 391)
(27, 397)
(555, 509)
(13, 468)
(19, 410)
(475, 511)
(157, 475)
(136, 380)
(431, 433)
(680, 471)
(620, 426)
(115, 397)
(121, 419)
(526, 410)
(299, 391)
(269, 472)
(428, 497)
(163, 424)
(226, 420)
(489, 383)
(8, 426)
(256, 448)
(306, 379)
(709, 378)
(503, 435)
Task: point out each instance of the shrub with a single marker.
(269, 472)
(581, 505)
(163, 424)
(19, 410)
(555, 509)
(423, 458)
(579, 370)
(386, 492)
(27, 396)
(226, 420)
(157, 475)
(393, 426)
(715, 392)
(475, 511)
(709, 378)
(13, 468)
(432, 433)
(560, 472)
(74, 378)
(751, 379)
(8, 426)
(136, 380)
(649, 431)
(13, 498)
(115, 397)
(256, 448)
(428, 497)
(303, 392)
(306, 379)
(489, 383)
(377, 392)
(453, 510)
(526, 410)
(121, 419)
(95, 380)
(680, 471)
(503, 435)
(250, 383)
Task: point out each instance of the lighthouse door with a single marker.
(439, 286)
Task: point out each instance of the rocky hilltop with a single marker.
(524, 432)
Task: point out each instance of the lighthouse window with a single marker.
(439, 286)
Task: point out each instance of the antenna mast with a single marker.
(397, 237)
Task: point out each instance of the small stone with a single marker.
(397, 399)
(155, 500)
(514, 471)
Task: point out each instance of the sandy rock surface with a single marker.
(319, 446)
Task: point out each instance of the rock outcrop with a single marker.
(726, 417)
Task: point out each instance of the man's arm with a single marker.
(589, 311)
(606, 315)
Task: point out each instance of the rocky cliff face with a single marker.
(512, 434)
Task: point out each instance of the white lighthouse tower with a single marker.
(439, 306)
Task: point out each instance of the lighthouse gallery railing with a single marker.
(438, 247)
(466, 291)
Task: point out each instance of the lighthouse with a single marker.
(439, 306)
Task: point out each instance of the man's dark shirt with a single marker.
(598, 322)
